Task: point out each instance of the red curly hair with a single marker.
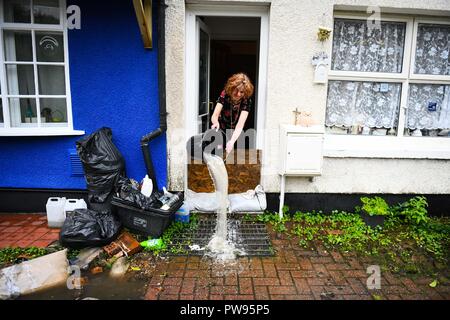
(240, 81)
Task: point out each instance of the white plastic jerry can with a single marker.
(72, 204)
(55, 212)
(147, 186)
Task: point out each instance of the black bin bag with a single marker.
(103, 164)
(87, 228)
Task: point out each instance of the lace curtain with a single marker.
(418, 115)
(368, 104)
(356, 47)
(432, 52)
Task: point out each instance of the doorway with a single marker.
(233, 48)
(229, 57)
(221, 41)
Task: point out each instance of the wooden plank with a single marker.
(143, 9)
(242, 175)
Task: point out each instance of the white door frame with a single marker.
(202, 27)
(191, 62)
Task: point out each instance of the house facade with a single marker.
(68, 69)
(384, 105)
(378, 86)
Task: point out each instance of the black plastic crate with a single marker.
(150, 223)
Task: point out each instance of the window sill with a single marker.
(389, 147)
(47, 132)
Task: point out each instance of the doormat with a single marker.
(249, 236)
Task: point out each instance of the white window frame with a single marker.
(398, 146)
(6, 129)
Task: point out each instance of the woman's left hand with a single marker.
(230, 146)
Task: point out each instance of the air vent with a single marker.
(75, 164)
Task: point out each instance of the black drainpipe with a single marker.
(145, 140)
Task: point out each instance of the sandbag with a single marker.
(103, 164)
(252, 200)
(87, 228)
(206, 202)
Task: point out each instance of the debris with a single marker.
(196, 247)
(334, 232)
(135, 268)
(119, 268)
(86, 256)
(327, 295)
(118, 255)
(125, 243)
(78, 281)
(34, 275)
(434, 284)
(152, 244)
(96, 270)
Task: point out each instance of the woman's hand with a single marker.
(230, 146)
(215, 125)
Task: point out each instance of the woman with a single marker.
(233, 106)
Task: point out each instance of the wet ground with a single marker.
(99, 287)
(292, 273)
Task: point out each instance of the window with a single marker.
(35, 93)
(392, 79)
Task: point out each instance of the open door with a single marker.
(204, 105)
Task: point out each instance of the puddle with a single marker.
(224, 268)
(100, 286)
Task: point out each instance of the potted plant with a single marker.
(374, 211)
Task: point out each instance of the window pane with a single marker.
(46, 11)
(17, 11)
(428, 112)
(23, 112)
(20, 79)
(1, 111)
(359, 46)
(53, 112)
(52, 80)
(432, 52)
(49, 47)
(363, 107)
(18, 46)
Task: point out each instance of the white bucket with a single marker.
(55, 212)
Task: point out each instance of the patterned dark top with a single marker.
(229, 115)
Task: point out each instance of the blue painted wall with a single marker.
(114, 83)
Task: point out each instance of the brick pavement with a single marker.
(26, 230)
(294, 273)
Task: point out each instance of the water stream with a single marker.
(219, 247)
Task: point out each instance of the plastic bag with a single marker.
(128, 192)
(88, 228)
(102, 162)
(252, 200)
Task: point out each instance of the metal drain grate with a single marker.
(250, 237)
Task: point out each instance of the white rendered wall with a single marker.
(293, 26)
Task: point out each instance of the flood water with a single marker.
(100, 286)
